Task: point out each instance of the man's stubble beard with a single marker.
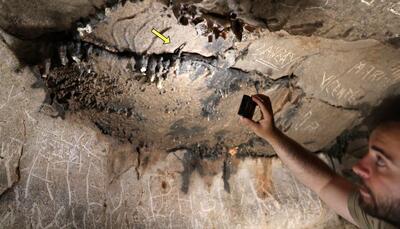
(386, 209)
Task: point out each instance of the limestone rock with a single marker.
(56, 167)
(364, 19)
(64, 179)
(12, 127)
(129, 28)
(262, 194)
(34, 18)
(365, 66)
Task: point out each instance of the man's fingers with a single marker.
(249, 123)
(263, 106)
(266, 101)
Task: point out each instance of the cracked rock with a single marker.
(32, 19)
(129, 29)
(12, 128)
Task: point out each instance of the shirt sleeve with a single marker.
(361, 217)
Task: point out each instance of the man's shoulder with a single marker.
(361, 217)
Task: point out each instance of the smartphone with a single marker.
(247, 107)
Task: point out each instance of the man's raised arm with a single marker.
(310, 170)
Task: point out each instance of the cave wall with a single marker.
(112, 128)
(65, 173)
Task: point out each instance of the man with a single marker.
(373, 204)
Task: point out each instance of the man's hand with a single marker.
(265, 127)
(307, 167)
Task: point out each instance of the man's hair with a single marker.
(387, 111)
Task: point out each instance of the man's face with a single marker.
(380, 173)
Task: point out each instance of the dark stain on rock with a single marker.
(193, 160)
(223, 81)
(220, 135)
(394, 41)
(284, 120)
(338, 149)
(247, 150)
(226, 174)
(121, 158)
(257, 141)
(178, 129)
(190, 164)
(102, 128)
(236, 26)
(163, 185)
(209, 104)
(227, 79)
(306, 29)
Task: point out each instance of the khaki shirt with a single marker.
(363, 219)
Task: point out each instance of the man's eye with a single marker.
(379, 161)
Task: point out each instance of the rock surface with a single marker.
(32, 19)
(71, 176)
(197, 92)
(334, 19)
(129, 28)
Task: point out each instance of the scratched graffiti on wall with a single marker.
(62, 179)
(393, 8)
(369, 74)
(274, 57)
(333, 87)
(167, 207)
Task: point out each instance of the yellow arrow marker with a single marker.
(161, 36)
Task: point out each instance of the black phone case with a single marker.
(247, 107)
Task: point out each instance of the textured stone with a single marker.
(365, 66)
(330, 19)
(129, 28)
(64, 179)
(276, 54)
(259, 197)
(12, 128)
(59, 164)
(312, 125)
(37, 17)
(203, 91)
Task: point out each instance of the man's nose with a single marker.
(363, 167)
